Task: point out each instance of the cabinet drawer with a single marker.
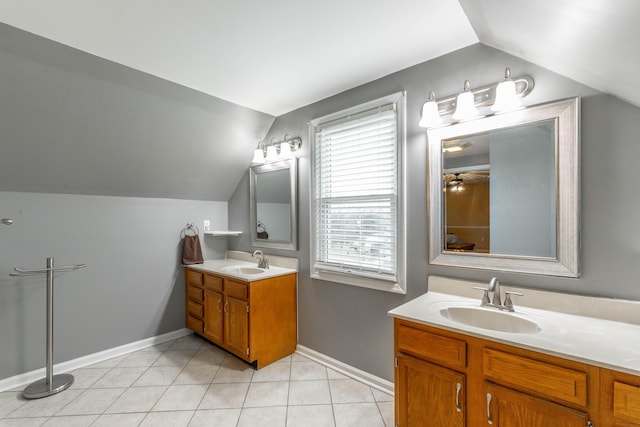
(195, 309)
(542, 378)
(196, 325)
(437, 348)
(626, 402)
(235, 289)
(195, 294)
(213, 282)
(193, 277)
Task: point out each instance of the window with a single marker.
(357, 234)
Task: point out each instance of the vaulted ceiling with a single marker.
(276, 56)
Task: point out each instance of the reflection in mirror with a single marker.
(499, 191)
(504, 191)
(272, 189)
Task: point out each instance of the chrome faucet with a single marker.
(494, 286)
(496, 302)
(263, 262)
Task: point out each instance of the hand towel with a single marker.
(191, 250)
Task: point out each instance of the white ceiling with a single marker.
(279, 55)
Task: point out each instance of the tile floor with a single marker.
(189, 382)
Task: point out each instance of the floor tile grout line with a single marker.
(209, 382)
(132, 384)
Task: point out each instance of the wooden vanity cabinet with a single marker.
(620, 398)
(429, 394)
(444, 388)
(256, 321)
(213, 328)
(194, 292)
(507, 407)
(445, 378)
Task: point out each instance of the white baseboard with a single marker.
(348, 370)
(70, 365)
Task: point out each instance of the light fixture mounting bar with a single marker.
(485, 95)
(293, 142)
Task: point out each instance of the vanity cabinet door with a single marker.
(236, 326)
(620, 399)
(213, 316)
(510, 408)
(428, 395)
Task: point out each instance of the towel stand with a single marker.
(51, 384)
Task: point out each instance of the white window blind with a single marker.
(356, 193)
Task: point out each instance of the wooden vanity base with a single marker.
(448, 379)
(256, 321)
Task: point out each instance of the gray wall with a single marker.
(351, 324)
(131, 289)
(77, 124)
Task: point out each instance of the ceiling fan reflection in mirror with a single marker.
(457, 181)
(456, 184)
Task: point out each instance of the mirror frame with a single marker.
(254, 172)
(566, 114)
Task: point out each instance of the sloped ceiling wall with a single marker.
(594, 42)
(281, 55)
(71, 122)
(273, 56)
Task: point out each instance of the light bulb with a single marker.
(285, 150)
(272, 154)
(430, 114)
(465, 105)
(258, 156)
(506, 97)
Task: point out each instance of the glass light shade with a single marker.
(258, 156)
(285, 150)
(465, 107)
(506, 98)
(430, 115)
(272, 154)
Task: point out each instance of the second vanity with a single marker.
(248, 311)
(458, 364)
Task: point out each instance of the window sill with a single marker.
(380, 285)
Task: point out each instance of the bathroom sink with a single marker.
(490, 319)
(241, 269)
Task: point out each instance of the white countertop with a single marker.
(217, 266)
(601, 342)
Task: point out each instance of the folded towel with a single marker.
(191, 250)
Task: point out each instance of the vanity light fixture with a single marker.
(276, 150)
(272, 152)
(285, 148)
(258, 154)
(430, 115)
(502, 96)
(506, 97)
(465, 104)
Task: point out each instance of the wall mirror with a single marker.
(273, 199)
(504, 191)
